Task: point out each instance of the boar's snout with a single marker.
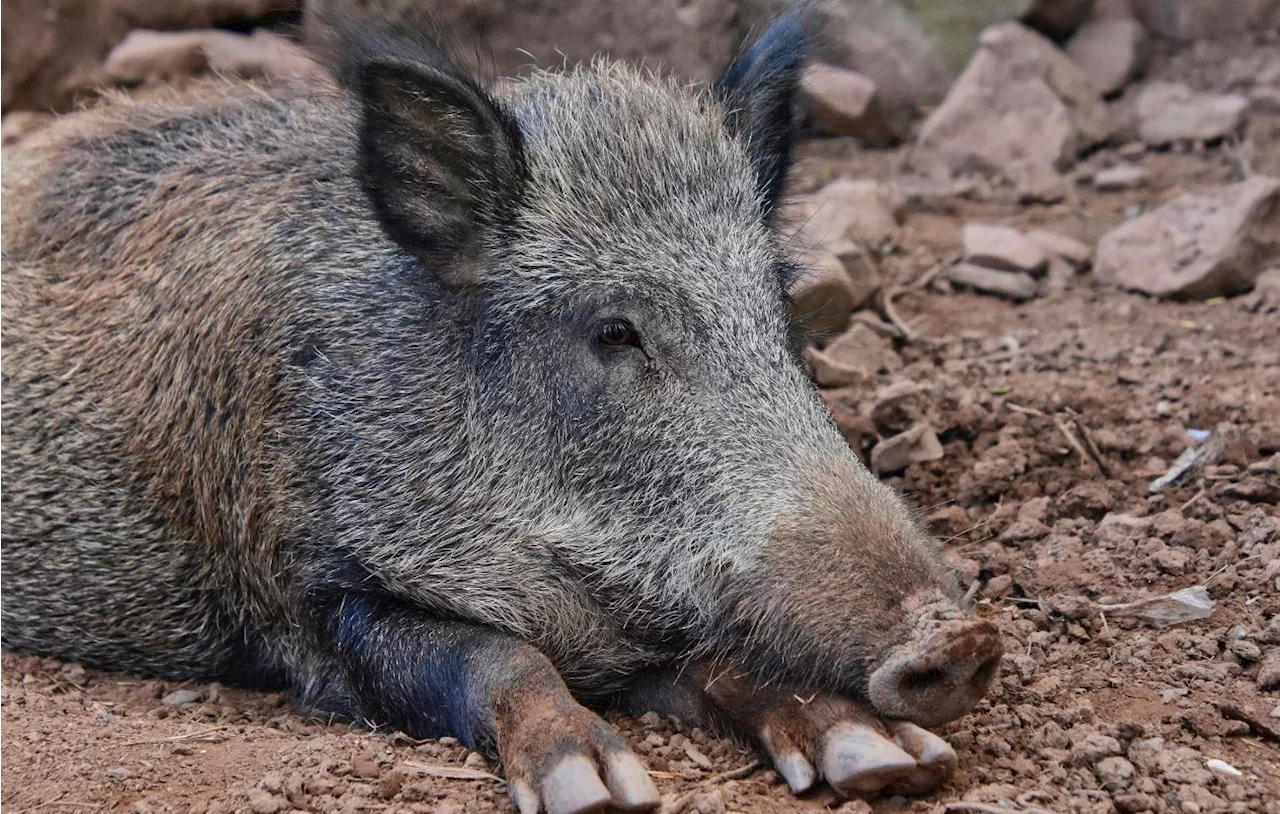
(941, 676)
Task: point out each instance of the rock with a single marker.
(149, 56)
(1114, 773)
(20, 124)
(1245, 650)
(893, 454)
(882, 41)
(855, 355)
(866, 212)
(264, 802)
(1092, 748)
(1068, 248)
(1111, 52)
(1021, 110)
(178, 698)
(1172, 560)
(1121, 176)
(1012, 285)
(53, 49)
(1198, 245)
(825, 294)
(1265, 99)
(366, 767)
(896, 406)
(1171, 111)
(1269, 673)
(1058, 19)
(1003, 248)
(1196, 19)
(843, 103)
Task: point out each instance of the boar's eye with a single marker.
(616, 333)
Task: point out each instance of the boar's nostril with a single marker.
(941, 678)
(922, 681)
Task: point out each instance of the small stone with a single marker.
(448, 741)
(178, 698)
(1092, 748)
(1068, 248)
(1120, 177)
(918, 444)
(1110, 51)
(1172, 560)
(365, 767)
(1003, 248)
(1011, 285)
(1269, 673)
(1171, 111)
(119, 772)
(698, 758)
(843, 103)
(476, 761)
(1114, 773)
(1245, 650)
(264, 802)
(390, 784)
(855, 355)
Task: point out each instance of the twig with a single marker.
(1071, 438)
(215, 735)
(734, 774)
(1018, 408)
(967, 600)
(923, 280)
(886, 304)
(1183, 508)
(449, 772)
(1089, 446)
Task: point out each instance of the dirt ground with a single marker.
(1092, 713)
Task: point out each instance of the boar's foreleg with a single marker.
(430, 677)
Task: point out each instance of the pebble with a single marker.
(1114, 773)
(1012, 285)
(178, 698)
(1120, 177)
(1003, 248)
(365, 767)
(1269, 673)
(264, 802)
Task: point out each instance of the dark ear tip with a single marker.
(779, 51)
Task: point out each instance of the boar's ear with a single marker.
(441, 162)
(759, 91)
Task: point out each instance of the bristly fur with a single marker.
(264, 354)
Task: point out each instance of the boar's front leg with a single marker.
(809, 736)
(431, 677)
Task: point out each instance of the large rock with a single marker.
(1198, 245)
(52, 50)
(1110, 51)
(845, 103)
(1022, 110)
(1171, 111)
(836, 282)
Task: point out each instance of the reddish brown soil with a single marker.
(1079, 695)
